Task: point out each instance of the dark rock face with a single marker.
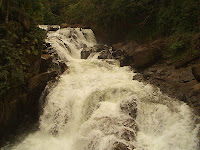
(196, 72)
(139, 57)
(124, 53)
(178, 83)
(105, 52)
(46, 61)
(38, 83)
(50, 61)
(85, 53)
(145, 57)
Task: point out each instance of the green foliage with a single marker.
(140, 20)
(145, 19)
(16, 59)
(11, 69)
(178, 46)
(178, 16)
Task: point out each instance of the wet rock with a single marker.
(34, 69)
(53, 27)
(120, 146)
(63, 67)
(128, 135)
(139, 57)
(196, 72)
(46, 61)
(146, 56)
(176, 83)
(124, 52)
(129, 107)
(46, 45)
(85, 53)
(38, 83)
(130, 123)
(105, 52)
(100, 47)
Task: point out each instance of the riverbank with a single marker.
(176, 75)
(178, 79)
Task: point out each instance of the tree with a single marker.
(6, 19)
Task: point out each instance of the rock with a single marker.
(118, 45)
(145, 57)
(46, 61)
(196, 72)
(130, 48)
(129, 107)
(38, 83)
(105, 52)
(64, 25)
(46, 45)
(34, 69)
(120, 146)
(100, 47)
(63, 67)
(85, 53)
(128, 135)
(140, 57)
(124, 52)
(53, 27)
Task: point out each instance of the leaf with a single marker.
(35, 52)
(33, 48)
(28, 51)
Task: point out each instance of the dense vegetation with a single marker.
(136, 19)
(174, 22)
(177, 22)
(120, 20)
(20, 42)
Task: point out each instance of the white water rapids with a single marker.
(97, 106)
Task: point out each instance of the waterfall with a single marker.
(97, 106)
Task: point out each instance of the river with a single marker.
(96, 105)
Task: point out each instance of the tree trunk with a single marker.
(1, 2)
(6, 19)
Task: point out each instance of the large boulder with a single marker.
(38, 83)
(124, 52)
(140, 57)
(196, 72)
(146, 56)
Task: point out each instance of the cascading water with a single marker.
(97, 106)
